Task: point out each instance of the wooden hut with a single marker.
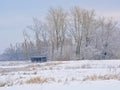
(39, 59)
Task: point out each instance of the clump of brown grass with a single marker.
(102, 77)
(39, 80)
(2, 84)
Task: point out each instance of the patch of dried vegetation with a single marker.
(2, 84)
(102, 77)
(39, 80)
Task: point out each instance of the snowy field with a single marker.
(60, 75)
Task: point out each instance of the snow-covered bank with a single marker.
(96, 85)
(61, 75)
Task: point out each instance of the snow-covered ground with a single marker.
(61, 75)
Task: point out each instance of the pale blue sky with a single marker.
(15, 15)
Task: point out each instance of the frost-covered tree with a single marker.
(57, 25)
(68, 35)
(82, 26)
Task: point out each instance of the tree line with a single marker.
(77, 34)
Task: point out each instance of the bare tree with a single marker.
(108, 27)
(57, 23)
(40, 34)
(79, 34)
(104, 36)
(88, 25)
(81, 21)
(76, 30)
(25, 45)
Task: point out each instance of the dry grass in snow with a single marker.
(58, 72)
(102, 77)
